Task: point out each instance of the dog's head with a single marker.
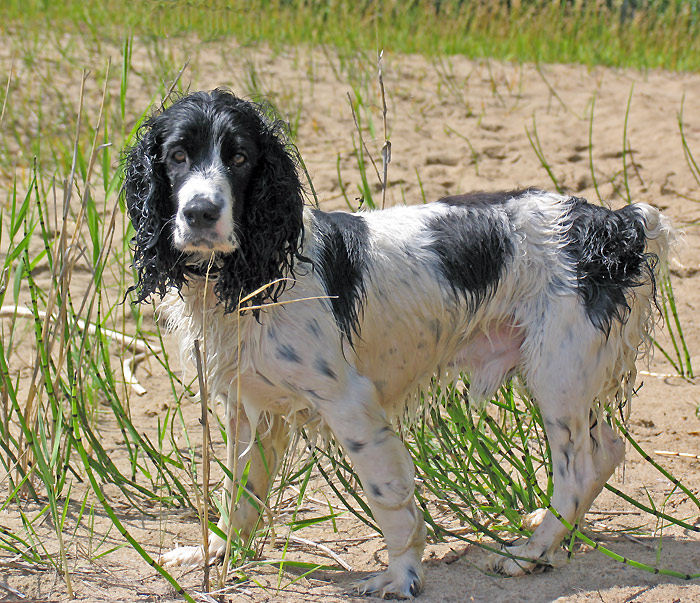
(212, 176)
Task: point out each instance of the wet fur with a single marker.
(546, 287)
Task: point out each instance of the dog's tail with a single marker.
(660, 241)
(651, 240)
(661, 237)
(643, 299)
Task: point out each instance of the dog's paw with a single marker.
(509, 565)
(187, 556)
(182, 556)
(395, 583)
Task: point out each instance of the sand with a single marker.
(455, 126)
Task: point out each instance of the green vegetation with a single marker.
(64, 249)
(658, 33)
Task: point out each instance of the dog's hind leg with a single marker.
(608, 453)
(564, 383)
(386, 471)
(258, 461)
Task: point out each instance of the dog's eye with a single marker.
(238, 159)
(179, 156)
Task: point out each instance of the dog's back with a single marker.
(465, 283)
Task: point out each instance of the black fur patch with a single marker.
(415, 585)
(355, 446)
(473, 243)
(608, 249)
(485, 197)
(568, 452)
(375, 490)
(342, 263)
(288, 353)
(314, 327)
(314, 394)
(322, 366)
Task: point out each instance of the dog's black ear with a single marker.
(147, 195)
(271, 220)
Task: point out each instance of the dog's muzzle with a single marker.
(204, 223)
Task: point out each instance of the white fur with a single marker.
(411, 330)
(210, 183)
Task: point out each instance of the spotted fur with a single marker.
(371, 308)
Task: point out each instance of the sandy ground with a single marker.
(455, 126)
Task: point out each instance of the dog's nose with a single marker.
(201, 212)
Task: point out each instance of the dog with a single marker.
(342, 317)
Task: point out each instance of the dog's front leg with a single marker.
(259, 461)
(386, 471)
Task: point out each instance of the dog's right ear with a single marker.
(147, 193)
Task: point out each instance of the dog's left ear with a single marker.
(271, 220)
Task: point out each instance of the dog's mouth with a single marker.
(203, 243)
(201, 263)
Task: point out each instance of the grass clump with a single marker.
(650, 34)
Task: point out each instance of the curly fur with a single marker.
(271, 214)
(609, 250)
(549, 288)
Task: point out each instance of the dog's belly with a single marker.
(402, 358)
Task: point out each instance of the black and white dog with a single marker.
(549, 288)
